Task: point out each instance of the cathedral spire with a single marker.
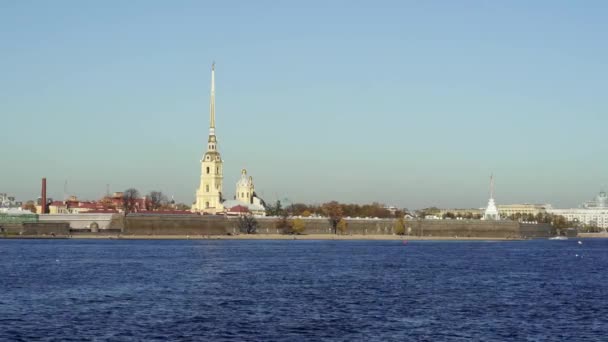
(212, 102)
(492, 185)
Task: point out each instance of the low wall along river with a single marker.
(195, 225)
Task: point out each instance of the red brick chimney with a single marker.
(43, 195)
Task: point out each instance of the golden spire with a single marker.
(212, 102)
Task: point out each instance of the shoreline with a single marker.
(262, 237)
(320, 237)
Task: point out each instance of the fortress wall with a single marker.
(464, 228)
(36, 229)
(437, 228)
(536, 230)
(79, 221)
(175, 225)
(218, 225)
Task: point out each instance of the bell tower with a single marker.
(209, 193)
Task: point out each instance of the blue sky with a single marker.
(411, 103)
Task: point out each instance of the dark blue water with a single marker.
(119, 290)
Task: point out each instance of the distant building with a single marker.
(601, 201)
(471, 212)
(506, 210)
(592, 213)
(7, 201)
(245, 198)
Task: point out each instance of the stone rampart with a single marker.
(175, 225)
(150, 225)
(35, 229)
(80, 221)
(428, 228)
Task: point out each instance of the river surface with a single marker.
(221, 290)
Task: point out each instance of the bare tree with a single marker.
(129, 200)
(248, 224)
(157, 200)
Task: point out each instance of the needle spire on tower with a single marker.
(212, 102)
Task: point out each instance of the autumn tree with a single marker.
(297, 226)
(283, 222)
(399, 227)
(29, 205)
(334, 213)
(449, 215)
(342, 226)
(129, 200)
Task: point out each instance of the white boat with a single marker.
(558, 238)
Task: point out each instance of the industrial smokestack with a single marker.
(43, 195)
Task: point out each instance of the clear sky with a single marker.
(410, 103)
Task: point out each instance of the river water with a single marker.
(220, 290)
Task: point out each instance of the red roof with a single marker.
(88, 205)
(57, 203)
(238, 209)
(167, 212)
(102, 211)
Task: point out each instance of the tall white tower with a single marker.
(209, 193)
(491, 212)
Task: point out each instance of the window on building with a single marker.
(207, 169)
(207, 187)
(206, 204)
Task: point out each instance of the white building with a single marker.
(246, 196)
(593, 213)
(491, 212)
(7, 201)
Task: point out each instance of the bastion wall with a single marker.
(197, 225)
(218, 225)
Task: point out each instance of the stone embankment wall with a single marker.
(175, 225)
(80, 221)
(218, 225)
(35, 229)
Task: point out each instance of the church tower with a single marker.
(209, 193)
(491, 212)
(244, 188)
